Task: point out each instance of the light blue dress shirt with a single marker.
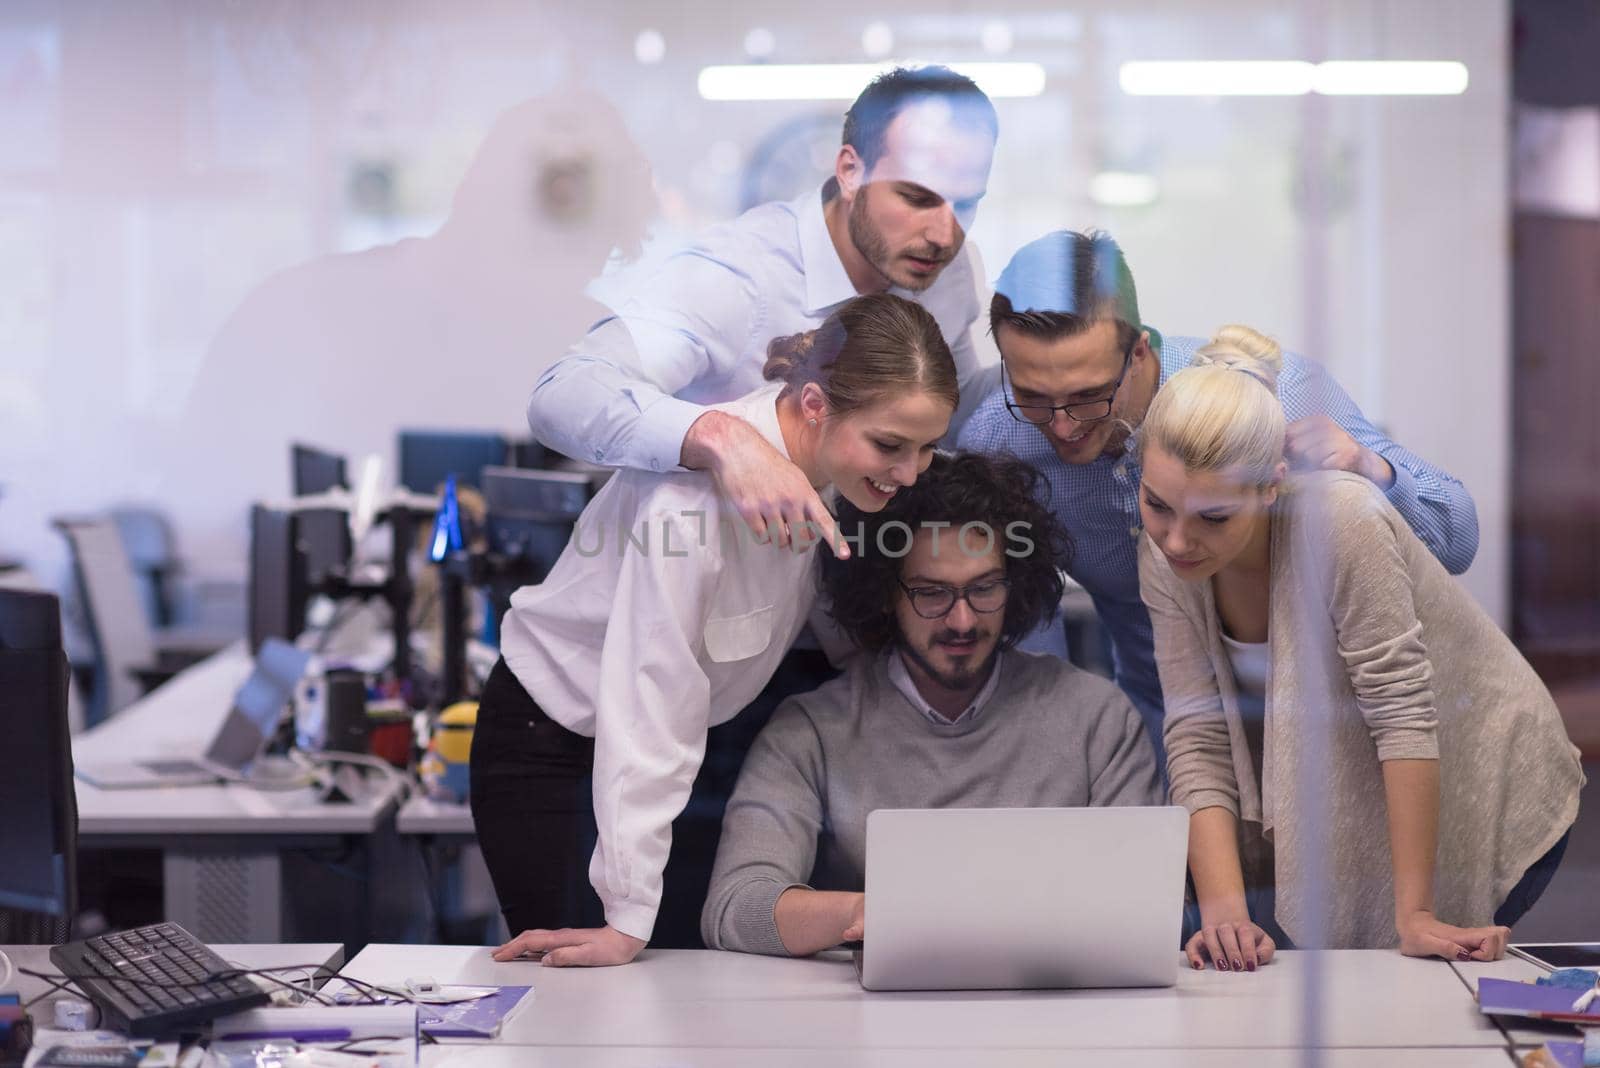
(696, 333)
(1098, 503)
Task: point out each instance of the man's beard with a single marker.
(870, 243)
(957, 680)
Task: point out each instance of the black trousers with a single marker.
(532, 794)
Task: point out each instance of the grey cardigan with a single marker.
(1377, 654)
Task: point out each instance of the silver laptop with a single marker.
(238, 742)
(1023, 898)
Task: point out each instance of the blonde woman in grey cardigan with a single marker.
(1366, 759)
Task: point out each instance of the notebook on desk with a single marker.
(1023, 898)
(238, 741)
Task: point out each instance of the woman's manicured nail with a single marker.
(1222, 964)
(1251, 966)
(1238, 965)
(1463, 955)
(1199, 965)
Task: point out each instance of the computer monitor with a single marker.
(316, 471)
(428, 457)
(38, 807)
(531, 514)
(324, 533)
(530, 454)
(279, 588)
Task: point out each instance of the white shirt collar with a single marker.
(827, 283)
(903, 682)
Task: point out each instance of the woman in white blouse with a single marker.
(1365, 757)
(665, 616)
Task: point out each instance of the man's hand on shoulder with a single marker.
(1318, 443)
(771, 494)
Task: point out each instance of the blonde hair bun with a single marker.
(1241, 348)
(1212, 419)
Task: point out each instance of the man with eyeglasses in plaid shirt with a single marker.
(1080, 368)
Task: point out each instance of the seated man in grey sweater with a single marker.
(937, 711)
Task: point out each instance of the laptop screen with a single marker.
(258, 705)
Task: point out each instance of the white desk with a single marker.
(422, 816)
(502, 1056)
(221, 845)
(690, 1000)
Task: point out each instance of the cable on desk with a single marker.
(299, 782)
(61, 986)
(313, 763)
(57, 985)
(306, 985)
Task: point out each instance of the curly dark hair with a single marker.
(958, 489)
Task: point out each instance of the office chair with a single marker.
(153, 554)
(132, 657)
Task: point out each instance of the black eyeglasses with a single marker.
(936, 602)
(1082, 412)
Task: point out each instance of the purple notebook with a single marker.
(1506, 997)
(471, 1019)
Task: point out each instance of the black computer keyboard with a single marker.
(156, 980)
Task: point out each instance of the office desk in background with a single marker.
(222, 847)
(423, 817)
(705, 1007)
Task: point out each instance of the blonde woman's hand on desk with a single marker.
(586, 947)
(1422, 934)
(1233, 946)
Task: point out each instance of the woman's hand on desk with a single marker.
(1238, 946)
(591, 947)
(1422, 934)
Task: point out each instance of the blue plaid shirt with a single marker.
(1098, 503)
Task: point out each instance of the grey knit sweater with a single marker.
(1050, 735)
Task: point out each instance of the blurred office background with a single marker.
(226, 226)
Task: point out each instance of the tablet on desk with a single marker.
(1553, 955)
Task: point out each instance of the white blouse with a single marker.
(662, 618)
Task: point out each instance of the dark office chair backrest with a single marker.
(38, 804)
